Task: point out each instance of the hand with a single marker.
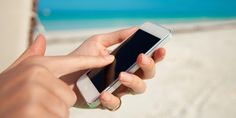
(30, 87)
(97, 45)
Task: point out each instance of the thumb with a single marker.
(36, 49)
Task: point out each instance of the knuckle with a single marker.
(151, 75)
(31, 92)
(30, 110)
(35, 69)
(140, 85)
(31, 102)
(66, 113)
(32, 84)
(73, 98)
(96, 37)
(32, 60)
(60, 104)
(65, 110)
(136, 81)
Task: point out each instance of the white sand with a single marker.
(197, 79)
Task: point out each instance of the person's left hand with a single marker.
(97, 45)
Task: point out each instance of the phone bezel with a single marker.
(91, 94)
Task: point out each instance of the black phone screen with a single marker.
(125, 56)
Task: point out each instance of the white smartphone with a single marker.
(145, 40)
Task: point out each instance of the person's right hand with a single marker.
(30, 87)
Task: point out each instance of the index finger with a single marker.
(112, 38)
(61, 65)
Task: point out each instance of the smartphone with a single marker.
(145, 40)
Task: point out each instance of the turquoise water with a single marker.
(81, 14)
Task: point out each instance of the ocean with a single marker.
(79, 14)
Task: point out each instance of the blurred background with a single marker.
(85, 14)
(197, 78)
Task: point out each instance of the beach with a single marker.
(195, 80)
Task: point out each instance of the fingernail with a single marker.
(145, 60)
(109, 57)
(37, 38)
(125, 77)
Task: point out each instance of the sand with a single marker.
(197, 79)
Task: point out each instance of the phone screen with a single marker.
(125, 56)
